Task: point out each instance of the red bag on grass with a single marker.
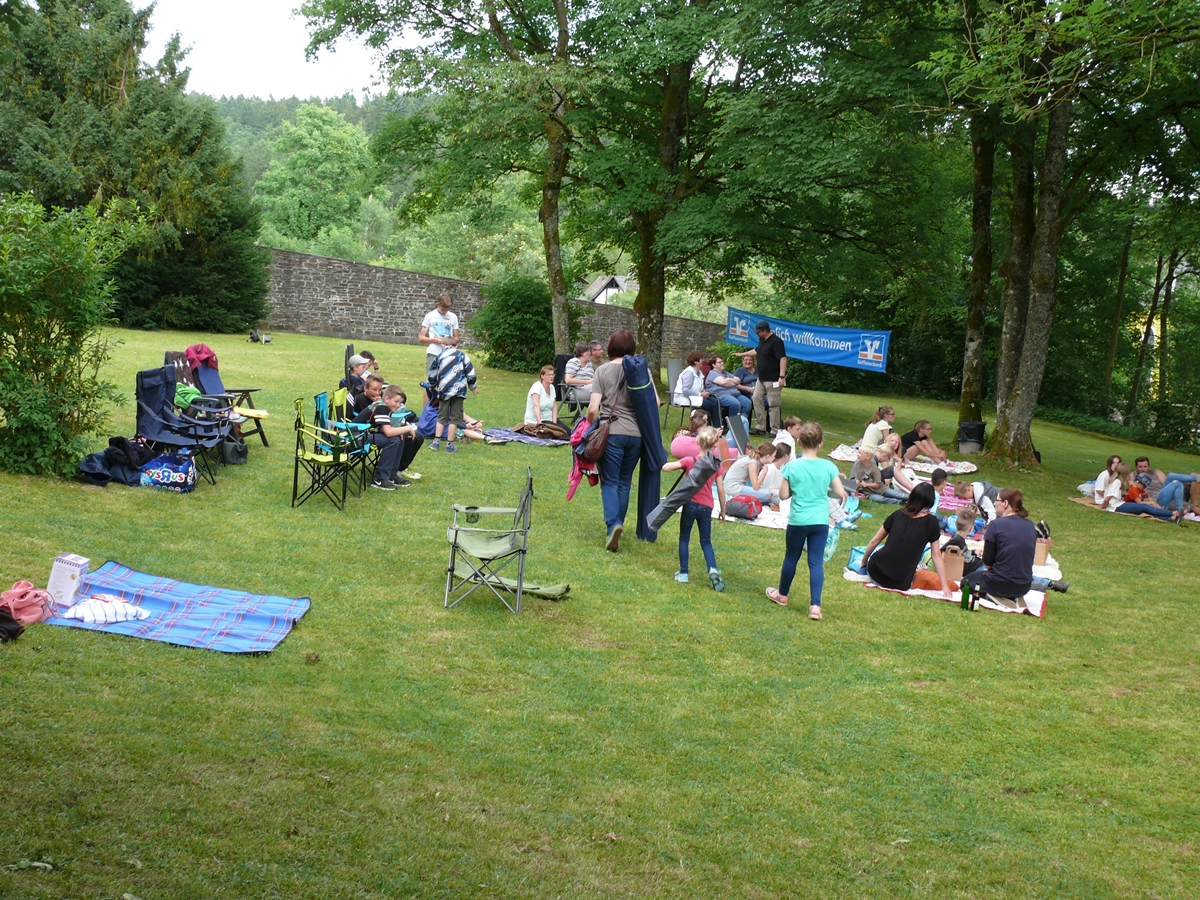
(26, 604)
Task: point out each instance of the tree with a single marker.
(84, 119)
(507, 78)
(55, 296)
(320, 171)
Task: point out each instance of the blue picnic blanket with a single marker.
(191, 615)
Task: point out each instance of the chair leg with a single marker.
(449, 576)
(295, 482)
(520, 581)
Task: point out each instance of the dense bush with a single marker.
(1171, 427)
(55, 295)
(515, 326)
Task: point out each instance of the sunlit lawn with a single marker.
(642, 738)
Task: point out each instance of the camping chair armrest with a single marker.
(485, 510)
(239, 391)
(472, 530)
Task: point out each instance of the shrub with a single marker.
(55, 295)
(515, 326)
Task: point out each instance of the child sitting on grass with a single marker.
(700, 508)
(807, 481)
(964, 528)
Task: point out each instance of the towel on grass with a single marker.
(1092, 504)
(191, 615)
(104, 609)
(849, 453)
(504, 435)
(1035, 601)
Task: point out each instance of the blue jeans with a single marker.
(389, 456)
(702, 515)
(736, 404)
(889, 495)
(620, 458)
(760, 494)
(797, 537)
(1138, 508)
(1173, 494)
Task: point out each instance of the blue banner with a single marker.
(847, 347)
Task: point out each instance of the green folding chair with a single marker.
(485, 552)
(324, 458)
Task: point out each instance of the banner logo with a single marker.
(739, 327)
(870, 350)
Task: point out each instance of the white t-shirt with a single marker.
(785, 437)
(1112, 497)
(440, 326)
(538, 394)
(738, 476)
(1101, 483)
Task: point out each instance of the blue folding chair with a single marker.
(158, 422)
(209, 382)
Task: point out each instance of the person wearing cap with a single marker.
(439, 330)
(772, 376)
(878, 428)
(354, 383)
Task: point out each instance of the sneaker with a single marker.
(851, 575)
(1061, 586)
(436, 445)
(415, 476)
(450, 448)
(814, 613)
(681, 577)
(614, 538)
(847, 525)
(775, 597)
(383, 485)
(718, 583)
(401, 481)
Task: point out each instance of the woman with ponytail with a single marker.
(877, 428)
(1009, 545)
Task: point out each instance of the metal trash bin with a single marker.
(971, 436)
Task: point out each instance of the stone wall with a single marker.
(335, 298)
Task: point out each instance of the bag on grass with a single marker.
(171, 472)
(744, 506)
(856, 558)
(10, 628)
(234, 453)
(26, 604)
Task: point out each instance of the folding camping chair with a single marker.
(487, 551)
(565, 393)
(208, 380)
(324, 457)
(158, 422)
(737, 428)
(328, 416)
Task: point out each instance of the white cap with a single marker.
(357, 360)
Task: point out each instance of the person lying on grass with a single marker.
(699, 509)
(908, 532)
(807, 481)
(919, 443)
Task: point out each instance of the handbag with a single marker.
(26, 604)
(596, 441)
(234, 453)
(171, 472)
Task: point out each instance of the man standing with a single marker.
(772, 374)
(439, 330)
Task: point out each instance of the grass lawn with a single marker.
(643, 738)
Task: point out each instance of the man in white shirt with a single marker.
(439, 329)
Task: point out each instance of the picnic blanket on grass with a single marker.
(191, 615)
(1035, 601)
(849, 453)
(504, 435)
(1091, 504)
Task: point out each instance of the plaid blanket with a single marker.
(1035, 601)
(504, 435)
(191, 615)
(849, 453)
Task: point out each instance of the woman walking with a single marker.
(611, 403)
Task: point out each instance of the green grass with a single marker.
(642, 738)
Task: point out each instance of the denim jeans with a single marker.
(735, 404)
(702, 515)
(797, 537)
(620, 458)
(1138, 508)
(889, 495)
(389, 456)
(1174, 491)
(761, 494)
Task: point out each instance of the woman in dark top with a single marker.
(908, 531)
(1009, 545)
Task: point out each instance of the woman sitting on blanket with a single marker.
(1114, 499)
(747, 474)
(878, 428)
(540, 405)
(1095, 489)
(684, 442)
(908, 531)
(1009, 546)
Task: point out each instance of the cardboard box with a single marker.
(65, 575)
(952, 561)
(1041, 552)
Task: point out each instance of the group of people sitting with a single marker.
(706, 383)
(1144, 491)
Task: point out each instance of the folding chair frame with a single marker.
(487, 572)
(323, 469)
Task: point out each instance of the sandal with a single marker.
(775, 597)
(814, 613)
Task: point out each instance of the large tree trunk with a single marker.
(1015, 267)
(1115, 334)
(983, 155)
(1011, 439)
(558, 155)
(652, 286)
(1162, 326)
(1136, 388)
